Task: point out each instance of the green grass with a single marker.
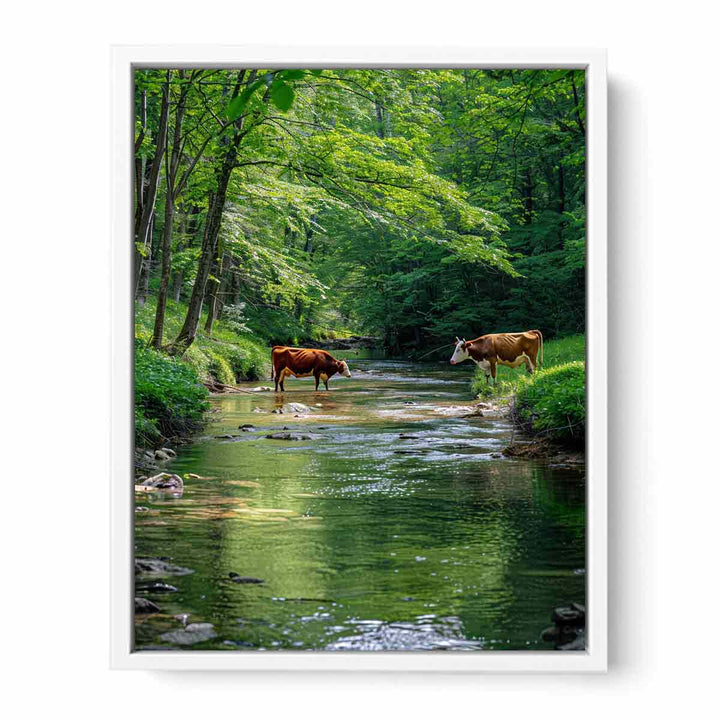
(227, 356)
(169, 398)
(550, 403)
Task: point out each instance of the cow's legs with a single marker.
(531, 362)
(277, 378)
(317, 381)
(493, 371)
(326, 384)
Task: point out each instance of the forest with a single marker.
(414, 500)
(294, 206)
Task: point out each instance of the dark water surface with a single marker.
(365, 540)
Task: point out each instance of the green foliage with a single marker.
(220, 369)
(168, 395)
(197, 360)
(553, 402)
(147, 432)
(550, 402)
(415, 205)
(235, 356)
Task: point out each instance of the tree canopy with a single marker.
(410, 204)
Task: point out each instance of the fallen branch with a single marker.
(218, 387)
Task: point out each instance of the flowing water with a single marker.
(401, 527)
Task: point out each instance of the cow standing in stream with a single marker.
(511, 349)
(303, 362)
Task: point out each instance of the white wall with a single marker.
(664, 168)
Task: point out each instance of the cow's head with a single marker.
(460, 353)
(343, 368)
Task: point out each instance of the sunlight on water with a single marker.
(400, 527)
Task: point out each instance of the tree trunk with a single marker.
(580, 123)
(210, 239)
(141, 292)
(142, 235)
(561, 202)
(140, 162)
(208, 253)
(165, 274)
(178, 275)
(171, 168)
(213, 296)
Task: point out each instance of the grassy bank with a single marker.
(550, 403)
(169, 396)
(226, 356)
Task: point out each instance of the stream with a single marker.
(400, 527)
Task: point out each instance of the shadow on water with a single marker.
(399, 527)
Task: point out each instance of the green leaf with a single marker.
(556, 75)
(236, 107)
(282, 95)
(291, 74)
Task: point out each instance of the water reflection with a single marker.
(365, 539)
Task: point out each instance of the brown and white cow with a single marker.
(303, 362)
(511, 349)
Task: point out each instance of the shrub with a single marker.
(220, 369)
(197, 360)
(146, 431)
(247, 358)
(552, 402)
(168, 396)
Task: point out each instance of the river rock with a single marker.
(145, 462)
(298, 408)
(456, 410)
(190, 634)
(161, 455)
(573, 615)
(169, 451)
(246, 426)
(141, 509)
(293, 436)
(408, 436)
(158, 567)
(244, 579)
(258, 410)
(278, 411)
(143, 606)
(261, 388)
(577, 644)
(164, 481)
(158, 587)
(568, 629)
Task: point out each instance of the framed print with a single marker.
(359, 347)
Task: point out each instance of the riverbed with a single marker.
(399, 526)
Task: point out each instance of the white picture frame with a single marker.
(124, 60)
